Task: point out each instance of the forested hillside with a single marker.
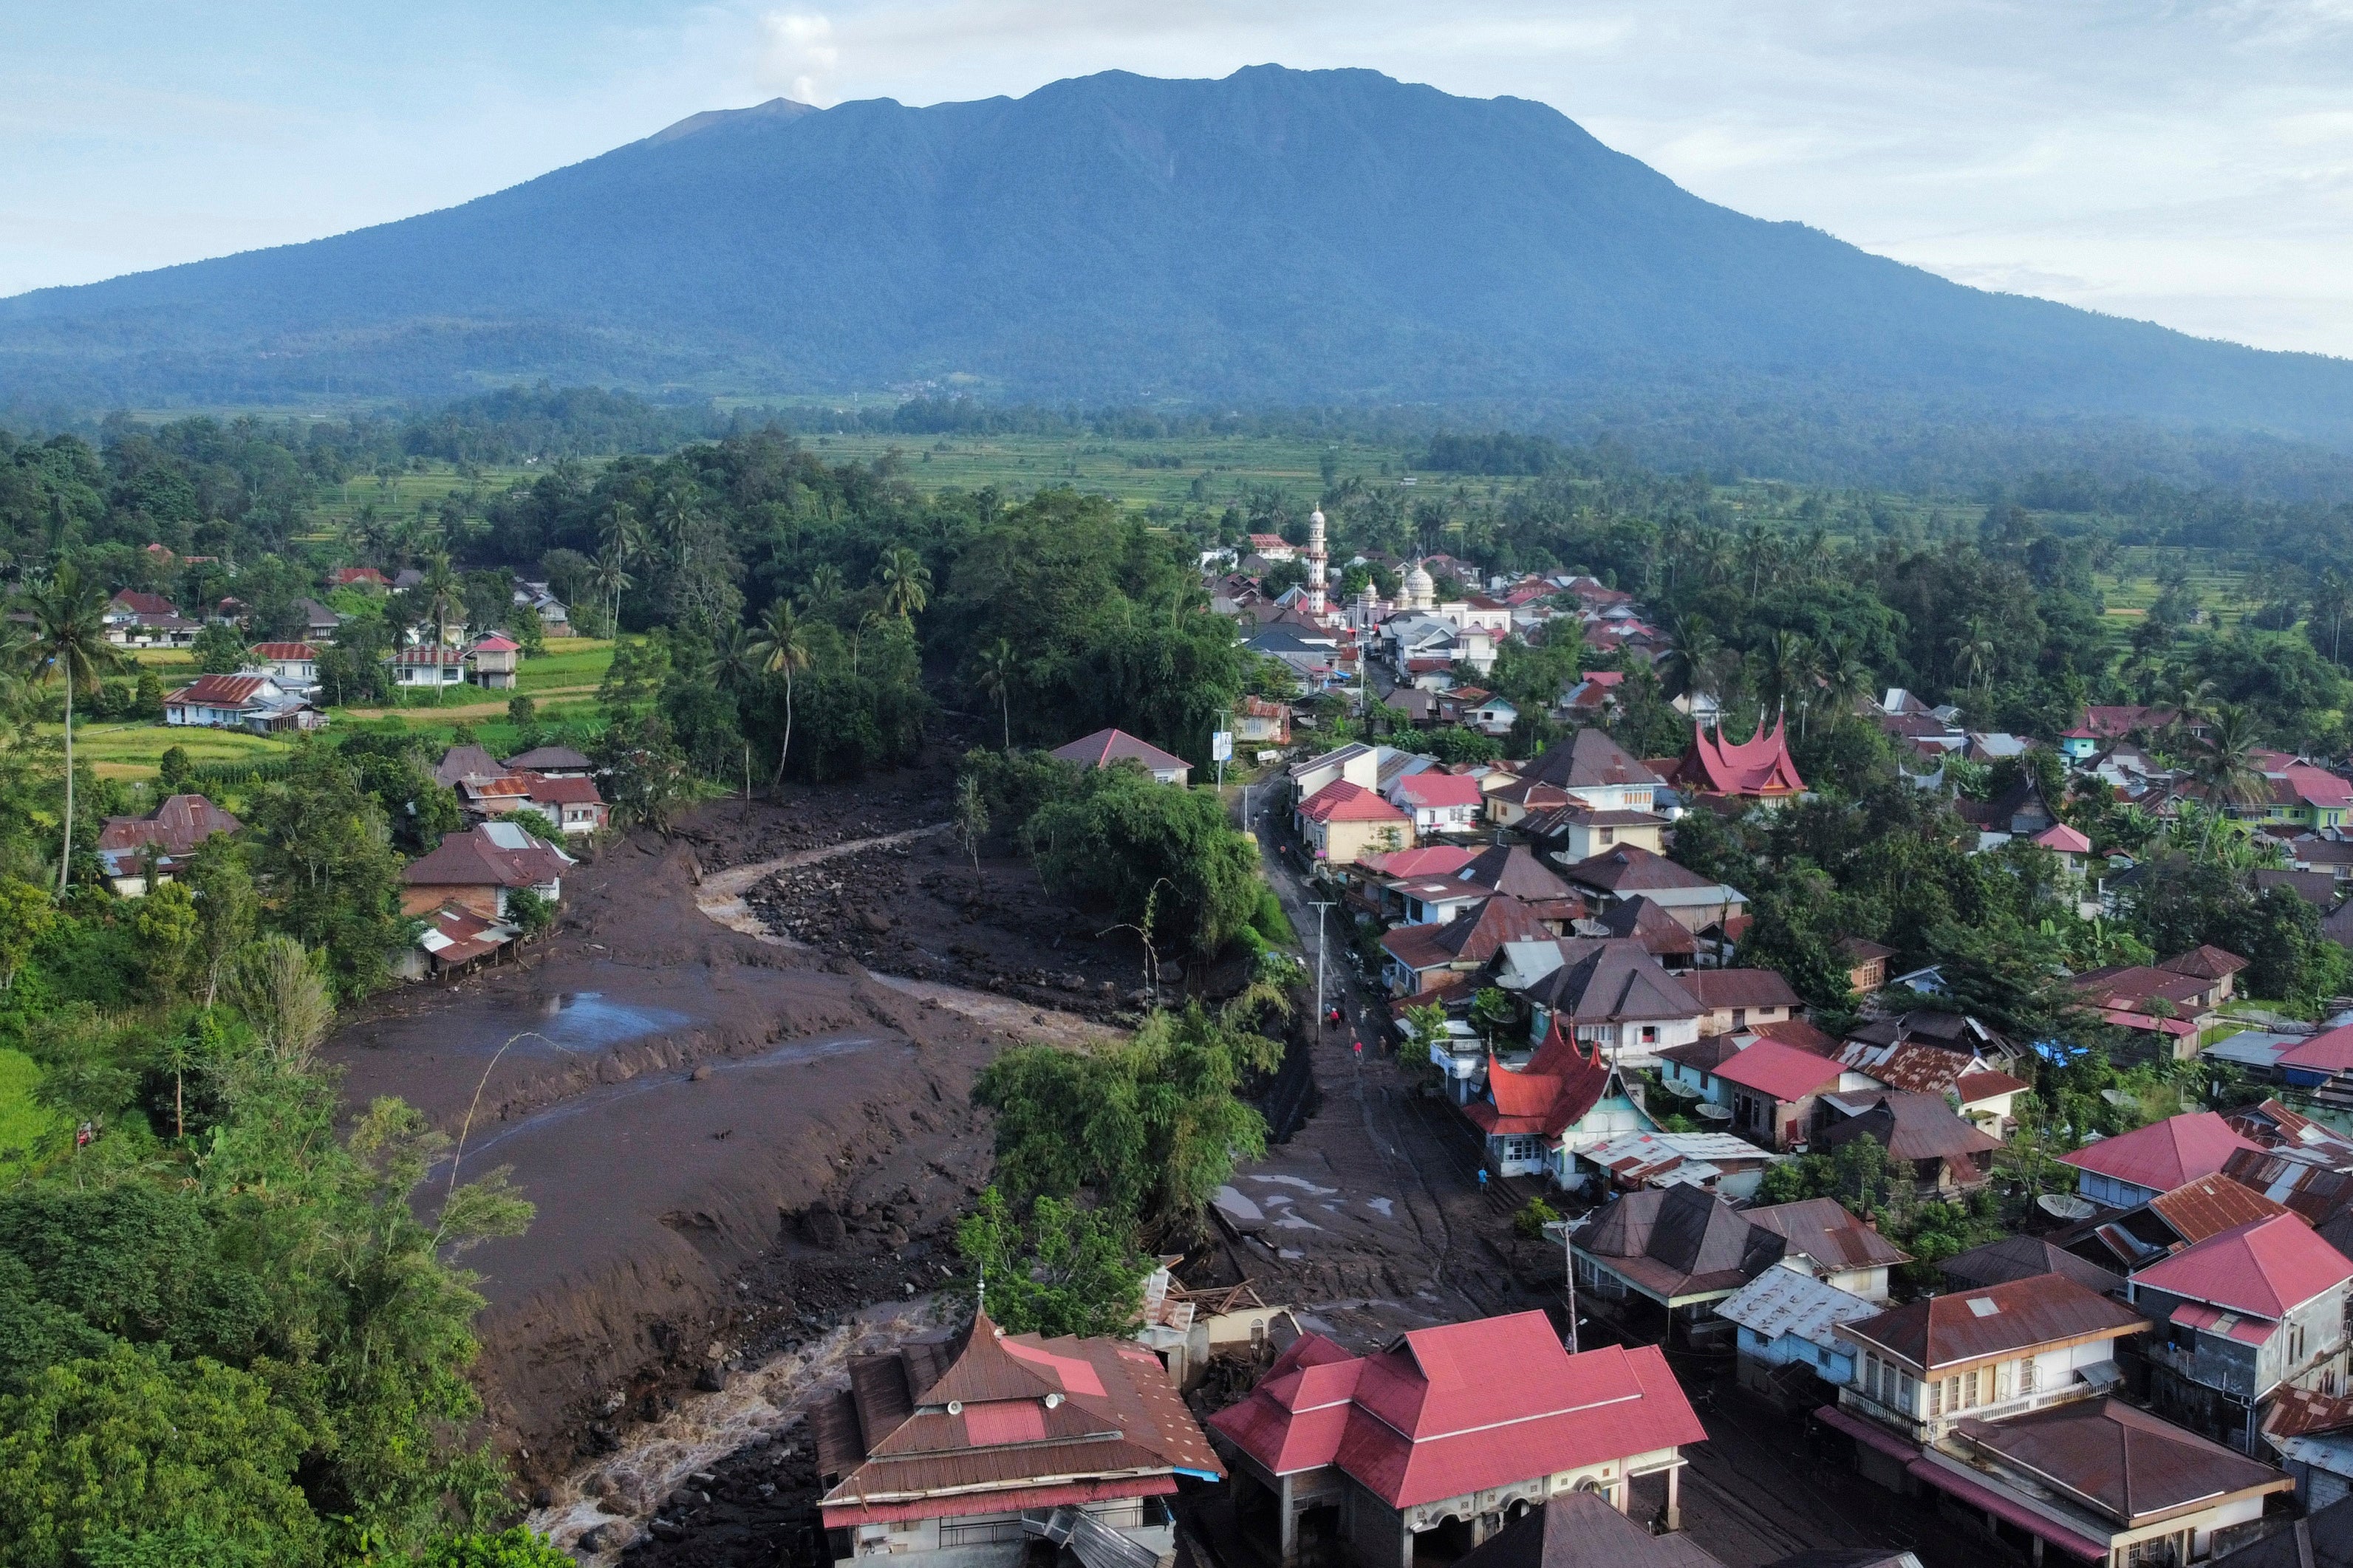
(1275, 237)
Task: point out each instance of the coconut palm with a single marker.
(994, 674)
(622, 535)
(1846, 680)
(733, 661)
(2225, 768)
(612, 582)
(674, 515)
(1974, 652)
(780, 648)
(1788, 670)
(68, 644)
(2332, 601)
(825, 588)
(441, 591)
(906, 582)
(1687, 669)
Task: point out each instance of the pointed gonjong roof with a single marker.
(1756, 769)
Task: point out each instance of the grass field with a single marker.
(132, 751)
(25, 1123)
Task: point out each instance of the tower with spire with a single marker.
(1316, 560)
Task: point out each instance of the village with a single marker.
(2144, 1356)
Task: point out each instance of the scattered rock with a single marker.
(875, 920)
(896, 1235)
(821, 1226)
(699, 1075)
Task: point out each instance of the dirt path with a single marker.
(720, 894)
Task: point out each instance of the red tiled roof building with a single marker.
(1447, 1429)
(1755, 770)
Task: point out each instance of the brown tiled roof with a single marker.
(2124, 1463)
(2024, 1258)
(1511, 869)
(1612, 980)
(1862, 951)
(1471, 937)
(1947, 1330)
(1912, 1127)
(468, 761)
(1631, 868)
(1718, 988)
(1640, 918)
(1589, 759)
(1581, 1530)
(472, 860)
(563, 791)
(1703, 1055)
(2205, 963)
(1823, 1230)
(558, 759)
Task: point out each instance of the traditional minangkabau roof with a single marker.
(1546, 1097)
(991, 1423)
(1459, 1409)
(1756, 769)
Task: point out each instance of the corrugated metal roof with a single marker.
(1789, 1302)
(1949, 1331)
(2268, 1268)
(2164, 1154)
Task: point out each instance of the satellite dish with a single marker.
(2066, 1205)
(1711, 1112)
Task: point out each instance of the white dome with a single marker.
(1419, 578)
(1316, 517)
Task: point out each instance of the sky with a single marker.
(2184, 163)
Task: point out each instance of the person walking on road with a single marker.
(1483, 1178)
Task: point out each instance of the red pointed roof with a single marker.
(1759, 768)
(2269, 1269)
(1341, 801)
(2164, 1154)
(1106, 747)
(1460, 1408)
(1549, 1096)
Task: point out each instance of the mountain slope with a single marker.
(1329, 235)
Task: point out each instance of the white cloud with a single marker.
(800, 55)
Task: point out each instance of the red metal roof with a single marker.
(2162, 1156)
(1435, 788)
(2330, 1051)
(282, 651)
(1341, 801)
(563, 791)
(217, 691)
(1436, 860)
(2061, 839)
(1759, 767)
(1463, 1408)
(1106, 747)
(1785, 1072)
(2267, 1267)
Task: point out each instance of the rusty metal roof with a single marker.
(2210, 1206)
(1997, 1320)
(2123, 1463)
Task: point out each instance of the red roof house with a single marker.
(2267, 1270)
(1341, 821)
(1452, 1422)
(171, 832)
(1773, 1087)
(1566, 1100)
(2134, 1167)
(1759, 769)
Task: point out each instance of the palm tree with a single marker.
(1789, 672)
(1687, 665)
(1974, 651)
(440, 589)
(906, 582)
(995, 676)
(623, 536)
(782, 647)
(732, 662)
(2225, 767)
(68, 642)
(1846, 680)
(825, 587)
(674, 514)
(2332, 599)
(612, 582)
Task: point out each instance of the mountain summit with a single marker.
(1276, 236)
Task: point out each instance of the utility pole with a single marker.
(1319, 968)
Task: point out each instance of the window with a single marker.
(2295, 1340)
(1608, 836)
(2026, 1376)
(1935, 1400)
(1907, 1391)
(1953, 1395)
(1650, 1034)
(1969, 1390)
(2001, 1376)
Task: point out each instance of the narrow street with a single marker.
(1376, 1224)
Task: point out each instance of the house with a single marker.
(2170, 1221)
(2297, 794)
(498, 661)
(163, 839)
(2024, 1258)
(454, 941)
(1436, 1440)
(1272, 547)
(357, 577)
(1512, 870)
(1534, 1120)
(554, 616)
(2098, 1480)
(480, 870)
(320, 624)
(460, 763)
(1664, 937)
(256, 703)
(1784, 1349)
(1420, 958)
(293, 665)
(1944, 1154)
(1771, 1089)
(2000, 1350)
(1732, 998)
(965, 1451)
(1866, 963)
(1262, 721)
(1612, 994)
(1357, 763)
(1579, 1529)
(572, 803)
(2134, 1167)
(1621, 873)
(431, 667)
(1343, 821)
(2243, 1314)
(1937, 1028)
(1822, 1237)
(555, 762)
(1510, 804)
(1575, 831)
(2019, 812)
(1592, 767)
(1428, 901)
(1104, 747)
(1629, 1161)
(2215, 965)
(1654, 1263)
(1756, 772)
(135, 618)
(1440, 802)
(1979, 1091)
(2162, 1002)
